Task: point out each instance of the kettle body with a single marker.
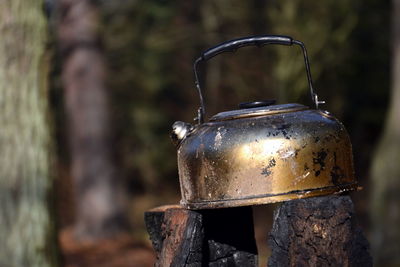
(262, 153)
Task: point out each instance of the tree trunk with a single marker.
(99, 194)
(26, 225)
(318, 231)
(385, 173)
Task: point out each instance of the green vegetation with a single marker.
(151, 46)
(26, 232)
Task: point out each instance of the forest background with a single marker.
(120, 73)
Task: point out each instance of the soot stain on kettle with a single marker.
(284, 129)
(337, 173)
(267, 170)
(319, 159)
(306, 168)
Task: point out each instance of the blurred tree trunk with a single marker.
(26, 225)
(98, 190)
(385, 207)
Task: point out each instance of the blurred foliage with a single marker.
(151, 46)
(325, 31)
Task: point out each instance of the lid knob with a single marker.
(256, 104)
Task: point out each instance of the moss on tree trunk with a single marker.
(25, 221)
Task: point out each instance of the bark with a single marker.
(98, 190)
(385, 172)
(319, 231)
(26, 225)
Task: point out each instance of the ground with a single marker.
(121, 251)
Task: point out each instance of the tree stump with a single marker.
(319, 231)
(221, 237)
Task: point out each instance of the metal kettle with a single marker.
(261, 153)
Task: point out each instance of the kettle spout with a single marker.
(180, 130)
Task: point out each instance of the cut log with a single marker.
(222, 237)
(320, 231)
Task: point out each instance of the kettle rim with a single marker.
(257, 111)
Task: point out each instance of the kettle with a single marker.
(261, 153)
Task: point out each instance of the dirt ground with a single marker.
(121, 251)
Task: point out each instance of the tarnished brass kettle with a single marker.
(261, 153)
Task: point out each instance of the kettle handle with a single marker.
(260, 40)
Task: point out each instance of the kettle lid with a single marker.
(257, 111)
